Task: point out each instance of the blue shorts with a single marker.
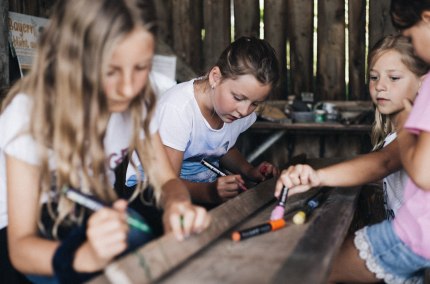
(387, 256)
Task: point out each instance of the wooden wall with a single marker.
(198, 30)
(4, 57)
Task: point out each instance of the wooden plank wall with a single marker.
(4, 56)
(198, 31)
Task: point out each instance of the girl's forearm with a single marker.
(174, 190)
(362, 169)
(203, 192)
(415, 156)
(235, 162)
(32, 255)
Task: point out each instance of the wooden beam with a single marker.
(357, 43)
(301, 33)
(187, 38)
(246, 18)
(331, 50)
(216, 14)
(379, 21)
(275, 32)
(4, 47)
(323, 246)
(164, 254)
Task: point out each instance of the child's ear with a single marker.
(215, 76)
(425, 16)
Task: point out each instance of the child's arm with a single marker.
(32, 254)
(175, 197)
(235, 162)
(415, 151)
(216, 192)
(360, 170)
(28, 252)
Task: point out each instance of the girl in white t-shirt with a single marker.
(376, 253)
(202, 119)
(68, 124)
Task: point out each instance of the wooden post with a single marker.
(4, 47)
(246, 18)
(379, 21)
(164, 20)
(300, 33)
(275, 32)
(331, 50)
(216, 14)
(357, 20)
(187, 26)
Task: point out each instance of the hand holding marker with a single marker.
(219, 172)
(278, 212)
(93, 204)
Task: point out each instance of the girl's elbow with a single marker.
(422, 182)
(17, 261)
(421, 178)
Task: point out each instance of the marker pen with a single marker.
(258, 230)
(311, 204)
(94, 204)
(213, 168)
(278, 212)
(218, 171)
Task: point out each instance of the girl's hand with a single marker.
(404, 114)
(264, 171)
(298, 178)
(184, 219)
(106, 238)
(229, 186)
(268, 170)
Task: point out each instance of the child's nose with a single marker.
(243, 109)
(380, 85)
(126, 86)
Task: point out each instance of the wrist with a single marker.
(174, 190)
(85, 260)
(63, 262)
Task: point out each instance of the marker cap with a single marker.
(299, 218)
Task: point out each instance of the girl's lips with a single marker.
(381, 100)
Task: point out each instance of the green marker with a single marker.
(94, 204)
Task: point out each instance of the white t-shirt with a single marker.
(17, 142)
(183, 127)
(394, 185)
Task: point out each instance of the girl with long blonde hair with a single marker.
(85, 105)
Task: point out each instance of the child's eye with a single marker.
(110, 72)
(237, 98)
(393, 78)
(255, 104)
(141, 67)
(373, 78)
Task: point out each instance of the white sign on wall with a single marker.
(24, 32)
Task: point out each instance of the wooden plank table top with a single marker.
(294, 254)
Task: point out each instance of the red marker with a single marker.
(258, 230)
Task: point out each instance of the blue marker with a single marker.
(311, 204)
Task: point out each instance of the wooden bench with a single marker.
(294, 254)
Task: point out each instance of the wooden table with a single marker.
(294, 254)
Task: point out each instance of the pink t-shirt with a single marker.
(412, 222)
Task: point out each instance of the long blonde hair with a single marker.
(70, 112)
(383, 124)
